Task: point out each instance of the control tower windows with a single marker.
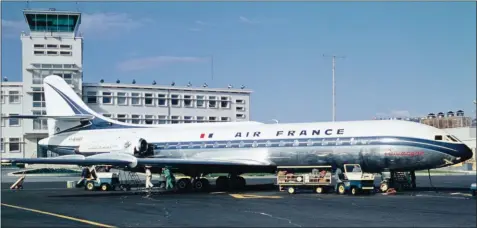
(52, 22)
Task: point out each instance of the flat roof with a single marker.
(162, 87)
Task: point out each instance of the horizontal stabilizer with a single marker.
(72, 117)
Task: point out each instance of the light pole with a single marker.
(333, 84)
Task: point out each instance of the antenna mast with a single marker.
(333, 84)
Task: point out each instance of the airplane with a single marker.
(83, 137)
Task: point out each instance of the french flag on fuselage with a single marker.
(203, 135)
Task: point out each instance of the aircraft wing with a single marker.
(123, 160)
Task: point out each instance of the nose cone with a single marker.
(466, 153)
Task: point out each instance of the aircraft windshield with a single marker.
(355, 168)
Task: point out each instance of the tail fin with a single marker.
(65, 109)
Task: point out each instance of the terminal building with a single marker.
(53, 46)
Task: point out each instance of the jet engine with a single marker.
(143, 149)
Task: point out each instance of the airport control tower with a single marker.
(51, 46)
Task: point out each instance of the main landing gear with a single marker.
(399, 180)
(231, 182)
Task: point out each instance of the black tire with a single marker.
(354, 191)
(183, 184)
(473, 192)
(320, 190)
(201, 184)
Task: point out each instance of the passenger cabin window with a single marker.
(438, 137)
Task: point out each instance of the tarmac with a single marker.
(42, 204)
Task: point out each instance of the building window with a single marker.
(224, 102)
(162, 100)
(200, 101)
(240, 116)
(2, 150)
(38, 100)
(13, 122)
(240, 108)
(162, 119)
(14, 145)
(52, 46)
(39, 52)
(175, 119)
(212, 102)
(2, 99)
(188, 101)
(175, 100)
(65, 46)
(239, 101)
(38, 46)
(107, 115)
(52, 53)
(40, 124)
(65, 53)
(225, 119)
(122, 118)
(212, 118)
(122, 99)
(187, 119)
(149, 119)
(68, 78)
(135, 99)
(135, 119)
(200, 119)
(91, 97)
(148, 100)
(107, 98)
(14, 97)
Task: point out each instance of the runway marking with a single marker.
(58, 215)
(246, 196)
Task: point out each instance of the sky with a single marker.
(401, 58)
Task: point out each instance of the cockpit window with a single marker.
(438, 137)
(453, 138)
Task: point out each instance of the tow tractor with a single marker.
(295, 178)
(354, 181)
(105, 181)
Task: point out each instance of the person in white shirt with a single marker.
(148, 178)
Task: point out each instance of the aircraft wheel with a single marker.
(341, 189)
(89, 186)
(221, 183)
(105, 187)
(200, 184)
(291, 190)
(384, 187)
(319, 190)
(183, 183)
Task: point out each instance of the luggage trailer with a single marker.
(295, 178)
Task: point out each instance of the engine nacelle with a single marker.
(143, 149)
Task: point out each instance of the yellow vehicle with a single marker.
(296, 178)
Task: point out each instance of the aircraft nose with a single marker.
(466, 153)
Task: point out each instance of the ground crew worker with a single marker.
(338, 173)
(169, 178)
(148, 178)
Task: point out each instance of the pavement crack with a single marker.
(271, 216)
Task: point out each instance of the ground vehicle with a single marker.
(293, 178)
(355, 181)
(473, 188)
(105, 181)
